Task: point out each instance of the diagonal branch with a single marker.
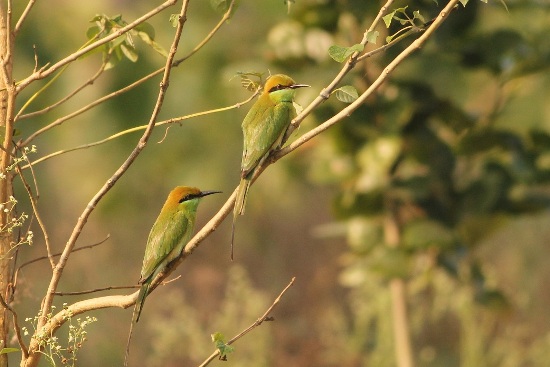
(325, 93)
(45, 72)
(23, 16)
(88, 82)
(255, 324)
(138, 128)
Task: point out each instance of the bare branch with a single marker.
(78, 293)
(23, 16)
(54, 256)
(90, 81)
(214, 30)
(33, 201)
(16, 327)
(138, 128)
(61, 120)
(258, 322)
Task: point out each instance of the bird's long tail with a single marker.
(140, 301)
(135, 316)
(240, 202)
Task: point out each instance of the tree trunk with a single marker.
(398, 291)
(6, 133)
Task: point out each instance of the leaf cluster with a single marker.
(123, 46)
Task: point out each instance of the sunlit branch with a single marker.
(33, 201)
(54, 256)
(139, 128)
(129, 87)
(255, 324)
(79, 293)
(45, 72)
(23, 16)
(89, 82)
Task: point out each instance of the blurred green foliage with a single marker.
(456, 144)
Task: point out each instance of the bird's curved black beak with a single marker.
(206, 193)
(296, 86)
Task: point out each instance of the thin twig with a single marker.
(211, 34)
(54, 256)
(15, 326)
(34, 205)
(90, 81)
(255, 324)
(23, 16)
(43, 73)
(78, 293)
(138, 128)
(89, 106)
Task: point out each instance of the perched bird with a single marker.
(263, 128)
(169, 235)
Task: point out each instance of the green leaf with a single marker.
(147, 29)
(387, 18)
(417, 15)
(390, 263)
(129, 52)
(464, 2)
(220, 6)
(372, 36)
(97, 18)
(423, 234)
(174, 20)
(8, 350)
(248, 82)
(92, 32)
(340, 54)
(219, 341)
(145, 37)
(113, 61)
(346, 94)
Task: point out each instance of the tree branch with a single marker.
(138, 128)
(90, 81)
(258, 322)
(129, 87)
(45, 72)
(23, 16)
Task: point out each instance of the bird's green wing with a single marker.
(169, 230)
(263, 129)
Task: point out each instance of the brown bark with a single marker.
(6, 130)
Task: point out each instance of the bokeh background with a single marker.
(455, 146)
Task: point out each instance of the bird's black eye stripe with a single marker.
(187, 197)
(277, 87)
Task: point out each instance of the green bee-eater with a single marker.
(263, 128)
(169, 235)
